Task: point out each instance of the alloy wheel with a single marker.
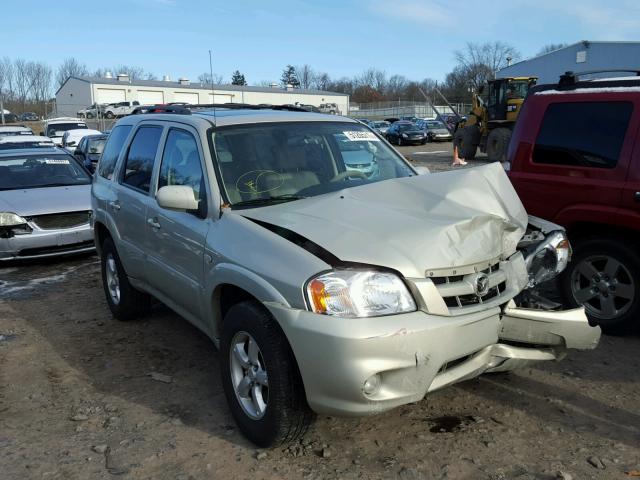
(113, 280)
(249, 375)
(604, 286)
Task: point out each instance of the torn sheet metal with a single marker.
(411, 224)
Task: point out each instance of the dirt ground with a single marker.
(83, 396)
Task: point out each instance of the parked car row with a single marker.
(23, 117)
(108, 110)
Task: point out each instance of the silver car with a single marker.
(45, 205)
(325, 289)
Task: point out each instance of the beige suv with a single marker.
(325, 289)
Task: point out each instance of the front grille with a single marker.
(459, 292)
(62, 220)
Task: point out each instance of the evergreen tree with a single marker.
(290, 77)
(237, 78)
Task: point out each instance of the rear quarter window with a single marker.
(583, 134)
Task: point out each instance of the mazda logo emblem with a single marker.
(482, 285)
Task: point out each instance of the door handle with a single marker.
(115, 205)
(153, 222)
(636, 196)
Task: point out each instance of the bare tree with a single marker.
(134, 72)
(306, 75)
(70, 67)
(551, 48)
(206, 79)
(481, 61)
(42, 75)
(321, 81)
(6, 77)
(24, 80)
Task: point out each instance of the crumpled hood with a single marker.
(411, 224)
(41, 201)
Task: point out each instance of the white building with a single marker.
(79, 92)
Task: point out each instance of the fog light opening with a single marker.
(371, 384)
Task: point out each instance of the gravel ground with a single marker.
(83, 396)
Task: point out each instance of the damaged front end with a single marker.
(531, 319)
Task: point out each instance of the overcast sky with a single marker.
(415, 38)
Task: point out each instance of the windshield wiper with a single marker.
(268, 200)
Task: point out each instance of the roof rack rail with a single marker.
(188, 109)
(176, 109)
(246, 106)
(571, 78)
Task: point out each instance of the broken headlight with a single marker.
(548, 258)
(359, 293)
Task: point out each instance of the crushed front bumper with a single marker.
(416, 353)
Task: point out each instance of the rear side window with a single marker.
(583, 134)
(139, 162)
(112, 149)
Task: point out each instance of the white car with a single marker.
(12, 130)
(55, 127)
(12, 142)
(71, 138)
(120, 109)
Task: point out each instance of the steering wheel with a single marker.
(347, 174)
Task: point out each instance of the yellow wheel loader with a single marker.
(490, 123)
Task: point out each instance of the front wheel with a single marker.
(109, 115)
(260, 377)
(497, 144)
(604, 275)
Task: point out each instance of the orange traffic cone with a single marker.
(457, 160)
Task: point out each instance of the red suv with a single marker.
(574, 159)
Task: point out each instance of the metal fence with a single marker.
(398, 109)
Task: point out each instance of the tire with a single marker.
(469, 142)
(81, 115)
(423, 142)
(109, 115)
(613, 263)
(284, 416)
(497, 144)
(89, 115)
(125, 302)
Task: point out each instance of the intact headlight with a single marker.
(549, 258)
(9, 219)
(358, 293)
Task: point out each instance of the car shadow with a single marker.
(558, 407)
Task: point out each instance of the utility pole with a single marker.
(2, 106)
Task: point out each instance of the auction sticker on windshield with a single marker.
(52, 161)
(358, 136)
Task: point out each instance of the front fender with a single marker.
(232, 274)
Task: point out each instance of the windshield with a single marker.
(406, 126)
(96, 145)
(435, 124)
(285, 161)
(38, 171)
(57, 129)
(517, 89)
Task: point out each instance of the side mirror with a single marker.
(177, 197)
